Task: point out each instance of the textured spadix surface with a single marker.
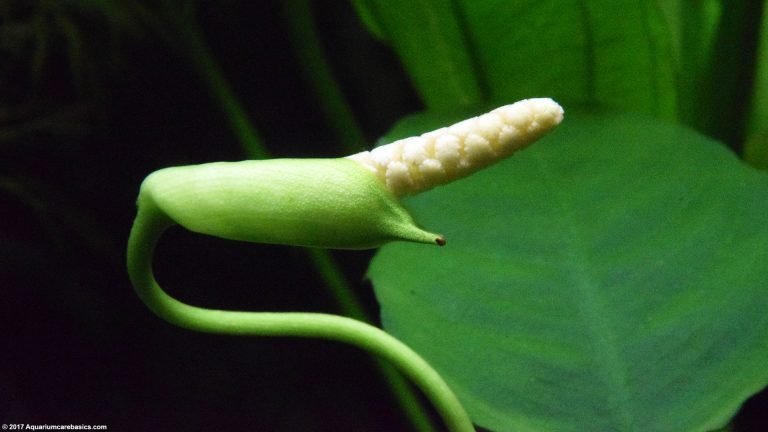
(418, 163)
(612, 277)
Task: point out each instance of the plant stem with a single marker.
(722, 98)
(335, 282)
(149, 225)
(318, 74)
(212, 76)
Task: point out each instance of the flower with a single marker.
(416, 164)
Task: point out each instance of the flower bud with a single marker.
(330, 203)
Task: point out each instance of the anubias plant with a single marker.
(611, 278)
(333, 203)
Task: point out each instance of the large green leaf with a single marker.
(430, 39)
(611, 278)
(614, 52)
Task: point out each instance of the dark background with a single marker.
(79, 135)
(83, 119)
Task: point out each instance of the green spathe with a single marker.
(330, 203)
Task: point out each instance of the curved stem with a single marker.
(149, 225)
(209, 70)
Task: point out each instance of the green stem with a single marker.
(317, 73)
(148, 227)
(723, 96)
(212, 75)
(334, 281)
(252, 146)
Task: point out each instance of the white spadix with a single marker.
(416, 164)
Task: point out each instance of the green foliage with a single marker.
(444, 74)
(612, 277)
(611, 274)
(613, 52)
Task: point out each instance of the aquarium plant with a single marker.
(332, 203)
(612, 277)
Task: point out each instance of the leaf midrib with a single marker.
(591, 306)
